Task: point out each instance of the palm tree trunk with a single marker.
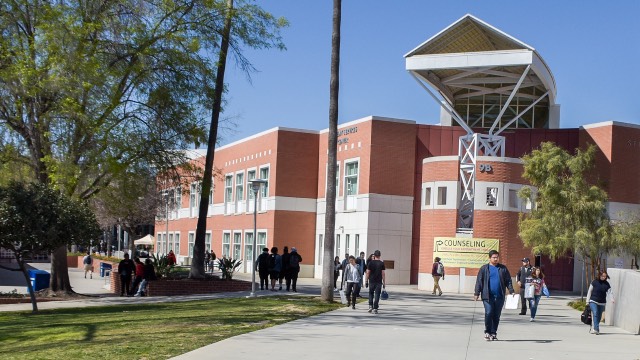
(330, 215)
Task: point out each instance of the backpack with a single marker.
(263, 261)
(440, 269)
(294, 260)
(586, 315)
(88, 260)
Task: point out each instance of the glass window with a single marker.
(357, 241)
(351, 178)
(442, 195)
(228, 188)
(239, 187)
(226, 243)
(176, 248)
(261, 241)
(427, 196)
(338, 245)
(178, 199)
(207, 241)
(194, 198)
(492, 196)
(346, 243)
(264, 175)
(170, 242)
(237, 242)
(248, 247)
(528, 204)
(513, 198)
(320, 249)
(192, 241)
(251, 175)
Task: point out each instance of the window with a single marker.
(239, 191)
(176, 244)
(338, 244)
(226, 243)
(178, 199)
(248, 248)
(170, 242)
(442, 195)
(159, 243)
(194, 198)
(320, 249)
(492, 196)
(346, 243)
(207, 241)
(529, 204)
(237, 241)
(427, 196)
(513, 198)
(192, 241)
(264, 175)
(351, 184)
(251, 175)
(357, 253)
(262, 241)
(228, 192)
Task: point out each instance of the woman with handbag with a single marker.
(597, 299)
(533, 291)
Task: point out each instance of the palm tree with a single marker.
(330, 214)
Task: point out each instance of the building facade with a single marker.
(412, 191)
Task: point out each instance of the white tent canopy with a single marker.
(147, 240)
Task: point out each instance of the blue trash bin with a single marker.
(39, 279)
(104, 267)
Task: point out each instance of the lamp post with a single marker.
(255, 186)
(166, 234)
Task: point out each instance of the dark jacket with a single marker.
(126, 267)
(149, 272)
(482, 281)
(523, 274)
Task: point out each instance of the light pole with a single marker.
(166, 234)
(255, 186)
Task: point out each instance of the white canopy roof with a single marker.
(147, 240)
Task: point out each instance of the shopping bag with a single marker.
(529, 291)
(511, 302)
(384, 295)
(343, 297)
(545, 291)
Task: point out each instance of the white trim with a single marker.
(610, 123)
(499, 159)
(370, 118)
(469, 60)
(275, 129)
(440, 158)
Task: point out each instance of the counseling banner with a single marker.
(464, 252)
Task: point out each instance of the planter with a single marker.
(165, 287)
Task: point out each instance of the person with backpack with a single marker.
(437, 272)
(275, 266)
(597, 299)
(294, 269)
(88, 265)
(262, 265)
(284, 272)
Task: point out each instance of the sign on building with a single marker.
(464, 252)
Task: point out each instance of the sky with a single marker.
(592, 49)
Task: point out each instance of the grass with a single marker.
(150, 331)
(578, 304)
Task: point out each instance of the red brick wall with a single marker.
(392, 158)
(165, 287)
(435, 223)
(298, 155)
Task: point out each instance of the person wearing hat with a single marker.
(294, 269)
(262, 265)
(521, 278)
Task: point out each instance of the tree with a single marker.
(570, 212)
(89, 89)
(232, 16)
(627, 232)
(35, 219)
(330, 214)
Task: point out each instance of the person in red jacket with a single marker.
(139, 274)
(171, 257)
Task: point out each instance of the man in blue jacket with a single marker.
(493, 278)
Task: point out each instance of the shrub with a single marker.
(161, 265)
(229, 267)
(578, 304)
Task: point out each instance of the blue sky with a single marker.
(591, 47)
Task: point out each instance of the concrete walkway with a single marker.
(411, 325)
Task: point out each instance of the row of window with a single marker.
(236, 204)
(338, 246)
(491, 197)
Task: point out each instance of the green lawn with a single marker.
(155, 331)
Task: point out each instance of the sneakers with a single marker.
(596, 332)
(375, 311)
(531, 320)
(370, 309)
(440, 293)
(487, 336)
(523, 313)
(353, 306)
(494, 337)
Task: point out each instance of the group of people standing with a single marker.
(135, 270)
(355, 272)
(278, 268)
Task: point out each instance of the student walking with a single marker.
(375, 281)
(262, 265)
(597, 295)
(352, 279)
(294, 269)
(437, 272)
(537, 281)
(139, 274)
(336, 272)
(521, 279)
(362, 267)
(275, 266)
(284, 271)
(126, 269)
(88, 265)
(491, 282)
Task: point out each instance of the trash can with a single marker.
(39, 279)
(104, 267)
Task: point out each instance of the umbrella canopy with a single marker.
(147, 240)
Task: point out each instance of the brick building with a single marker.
(411, 190)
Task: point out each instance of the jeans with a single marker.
(125, 284)
(492, 311)
(533, 305)
(374, 294)
(523, 301)
(143, 288)
(596, 315)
